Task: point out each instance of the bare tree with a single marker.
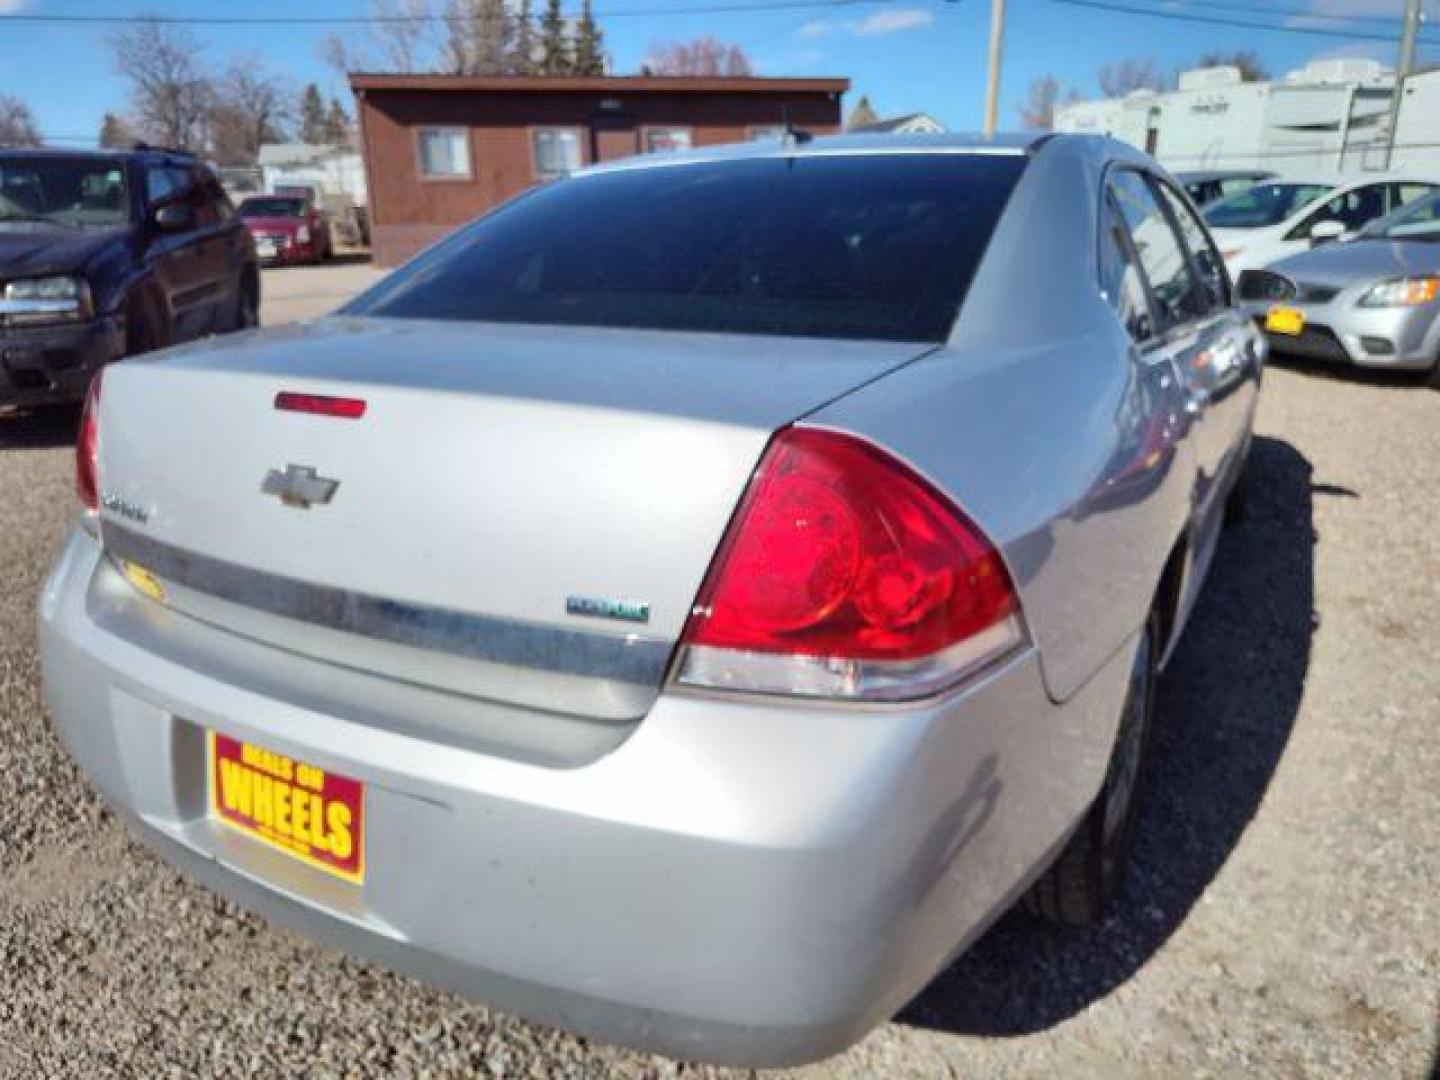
(17, 123)
(170, 99)
(406, 36)
(702, 56)
(1038, 109)
(1247, 60)
(252, 107)
(1126, 76)
(115, 133)
(478, 39)
(338, 129)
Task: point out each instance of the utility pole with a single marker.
(1402, 71)
(992, 85)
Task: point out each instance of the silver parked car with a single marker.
(691, 603)
(1373, 301)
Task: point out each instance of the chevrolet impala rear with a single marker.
(686, 606)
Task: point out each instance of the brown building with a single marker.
(441, 149)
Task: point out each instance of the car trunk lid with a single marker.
(522, 514)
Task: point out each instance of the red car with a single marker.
(286, 229)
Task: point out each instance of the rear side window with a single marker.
(855, 246)
(1161, 254)
(1214, 282)
(1120, 277)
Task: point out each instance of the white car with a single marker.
(1285, 216)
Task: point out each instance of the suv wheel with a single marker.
(247, 302)
(1087, 873)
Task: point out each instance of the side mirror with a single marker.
(174, 218)
(1326, 232)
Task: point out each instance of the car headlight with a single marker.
(302, 234)
(1402, 292)
(37, 301)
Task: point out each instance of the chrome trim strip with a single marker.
(631, 659)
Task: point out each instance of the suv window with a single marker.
(1121, 279)
(1214, 284)
(845, 246)
(1162, 256)
(163, 181)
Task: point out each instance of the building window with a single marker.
(660, 140)
(557, 151)
(765, 132)
(444, 152)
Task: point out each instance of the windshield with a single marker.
(76, 193)
(852, 246)
(272, 208)
(1262, 205)
(1418, 221)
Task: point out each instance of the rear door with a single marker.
(219, 244)
(176, 258)
(1188, 332)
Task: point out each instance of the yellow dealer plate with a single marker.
(1284, 320)
(312, 815)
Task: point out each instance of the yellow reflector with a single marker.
(143, 580)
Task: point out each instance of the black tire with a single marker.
(247, 302)
(1086, 875)
(1432, 377)
(145, 329)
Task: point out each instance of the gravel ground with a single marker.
(1281, 919)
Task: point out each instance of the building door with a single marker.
(614, 137)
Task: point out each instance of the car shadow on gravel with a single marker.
(39, 430)
(1226, 706)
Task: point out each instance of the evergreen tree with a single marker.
(554, 50)
(522, 44)
(589, 43)
(337, 125)
(313, 121)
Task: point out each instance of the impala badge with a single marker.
(598, 607)
(299, 486)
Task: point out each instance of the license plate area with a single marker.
(312, 815)
(1284, 320)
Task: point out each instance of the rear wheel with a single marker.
(1087, 873)
(247, 302)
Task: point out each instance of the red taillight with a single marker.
(845, 574)
(87, 449)
(320, 405)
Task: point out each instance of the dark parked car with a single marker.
(287, 228)
(107, 254)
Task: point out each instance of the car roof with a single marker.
(1193, 176)
(115, 154)
(1008, 143)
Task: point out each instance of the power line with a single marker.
(1217, 20)
(1288, 12)
(388, 20)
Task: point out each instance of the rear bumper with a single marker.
(52, 365)
(737, 882)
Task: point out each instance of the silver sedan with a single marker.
(1373, 301)
(691, 603)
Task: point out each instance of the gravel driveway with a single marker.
(1282, 920)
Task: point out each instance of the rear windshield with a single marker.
(272, 208)
(1262, 205)
(857, 246)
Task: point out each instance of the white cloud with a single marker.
(890, 21)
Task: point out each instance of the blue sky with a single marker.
(905, 55)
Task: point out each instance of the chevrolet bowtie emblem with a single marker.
(299, 486)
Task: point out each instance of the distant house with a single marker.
(336, 173)
(910, 124)
(442, 149)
